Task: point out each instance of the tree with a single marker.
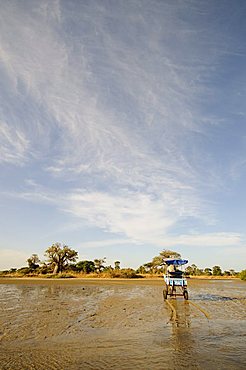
(191, 270)
(117, 265)
(33, 261)
(208, 271)
(242, 275)
(148, 266)
(59, 256)
(85, 266)
(217, 271)
(99, 264)
(167, 253)
(141, 270)
(157, 261)
(199, 272)
(227, 273)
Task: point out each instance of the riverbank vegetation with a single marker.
(62, 262)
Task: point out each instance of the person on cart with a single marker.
(173, 271)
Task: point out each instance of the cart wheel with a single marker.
(173, 291)
(165, 294)
(186, 296)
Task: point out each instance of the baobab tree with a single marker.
(59, 256)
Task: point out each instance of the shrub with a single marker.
(84, 266)
(128, 273)
(63, 275)
(242, 275)
(44, 269)
(4, 273)
(24, 271)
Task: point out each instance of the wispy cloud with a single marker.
(120, 105)
(234, 243)
(218, 239)
(136, 218)
(13, 145)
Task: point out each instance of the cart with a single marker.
(175, 283)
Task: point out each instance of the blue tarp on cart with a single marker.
(175, 261)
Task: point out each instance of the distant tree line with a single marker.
(61, 260)
(156, 266)
(216, 270)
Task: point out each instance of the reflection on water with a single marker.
(183, 344)
(128, 326)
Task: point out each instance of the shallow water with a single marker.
(121, 324)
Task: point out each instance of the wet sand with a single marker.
(121, 324)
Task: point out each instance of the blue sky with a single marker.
(122, 130)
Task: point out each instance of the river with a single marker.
(121, 324)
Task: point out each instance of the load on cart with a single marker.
(174, 279)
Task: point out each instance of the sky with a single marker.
(122, 130)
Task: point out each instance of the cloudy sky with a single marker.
(122, 129)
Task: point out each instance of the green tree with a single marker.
(141, 270)
(167, 253)
(191, 270)
(199, 272)
(99, 264)
(85, 266)
(242, 275)
(33, 261)
(217, 271)
(157, 261)
(117, 265)
(59, 256)
(148, 267)
(208, 271)
(227, 273)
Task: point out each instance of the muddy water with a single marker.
(80, 324)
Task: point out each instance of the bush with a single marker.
(24, 271)
(4, 273)
(44, 269)
(128, 273)
(84, 266)
(63, 275)
(242, 275)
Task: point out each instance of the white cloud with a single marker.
(218, 239)
(128, 219)
(233, 242)
(13, 144)
(116, 113)
(136, 216)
